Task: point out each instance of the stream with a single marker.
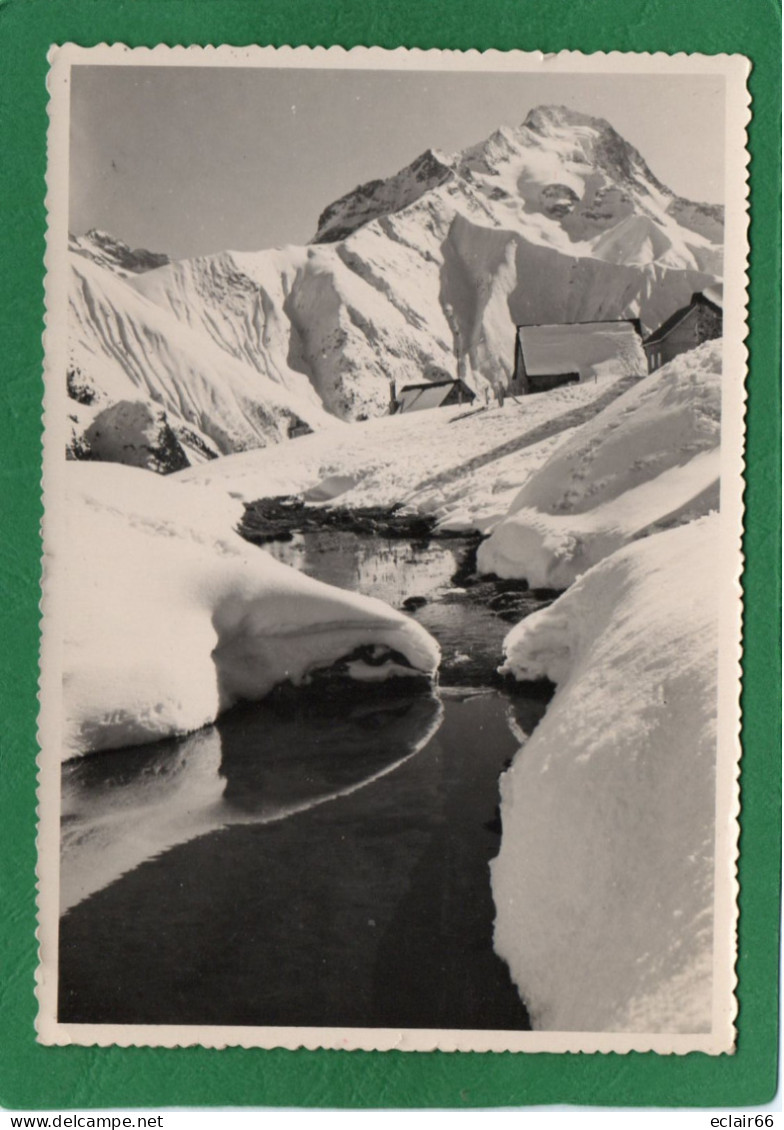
(314, 859)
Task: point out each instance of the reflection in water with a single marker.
(306, 751)
(371, 910)
(418, 576)
(124, 806)
(389, 568)
(260, 763)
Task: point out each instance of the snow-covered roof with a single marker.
(714, 294)
(430, 394)
(575, 346)
(416, 398)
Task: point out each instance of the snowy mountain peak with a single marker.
(543, 119)
(594, 142)
(563, 176)
(601, 145)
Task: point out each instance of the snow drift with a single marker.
(604, 881)
(647, 461)
(172, 617)
(425, 273)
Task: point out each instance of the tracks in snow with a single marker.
(540, 432)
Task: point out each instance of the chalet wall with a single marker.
(701, 323)
(518, 383)
(551, 380)
(458, 395)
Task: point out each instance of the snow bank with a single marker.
(649, 460)
(603, 885)
(172, 617)
(552, 551)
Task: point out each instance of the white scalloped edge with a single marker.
(721, 1040)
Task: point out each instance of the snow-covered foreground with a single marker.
(648, 461)
(171, 617)
(604, 882)
(174, 617)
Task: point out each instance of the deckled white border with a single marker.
(735, 69)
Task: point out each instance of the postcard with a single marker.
(393, 474)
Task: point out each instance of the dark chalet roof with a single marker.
(711, 296)
(437, 384)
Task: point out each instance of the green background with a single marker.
(35, 1077)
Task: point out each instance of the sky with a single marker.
(191, 160)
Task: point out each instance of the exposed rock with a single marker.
(80, 387)
(382, 197)
(137, 434)
(411, 603)
(108, 251)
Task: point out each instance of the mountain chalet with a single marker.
(548, 356)
(433, 394)
(688, 327)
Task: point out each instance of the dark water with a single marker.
(310, 860)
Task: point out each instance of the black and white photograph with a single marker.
(392, 526)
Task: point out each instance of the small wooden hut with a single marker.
(434, 394)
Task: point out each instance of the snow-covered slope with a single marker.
(409, 278)
(430, 462)
(650, 459)
(604, 882)
(172, 617)
(126, 347)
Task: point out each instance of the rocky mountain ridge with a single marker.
(108, 251)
